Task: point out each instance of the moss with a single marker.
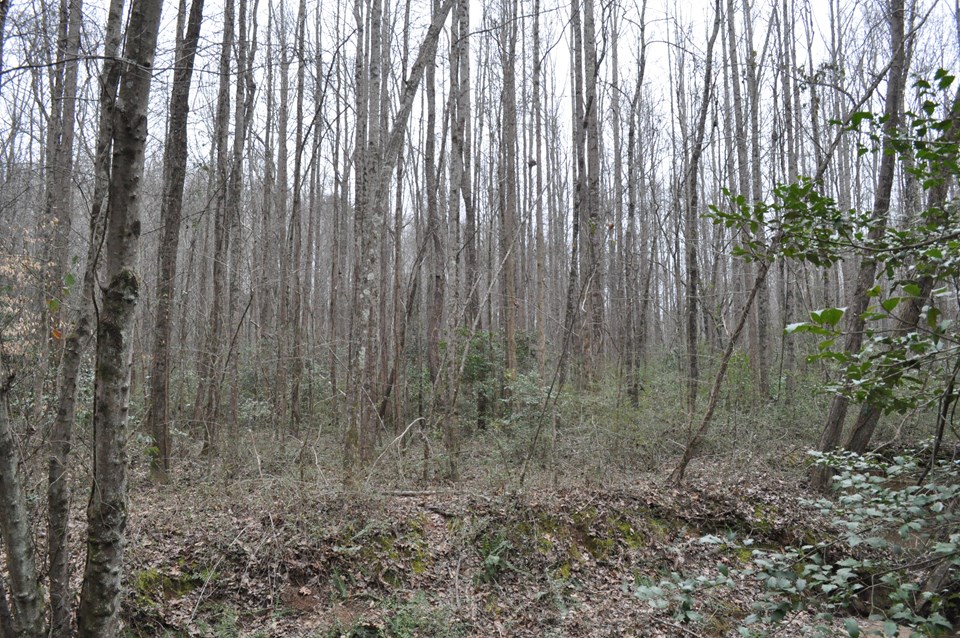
(585, 517)
(598, 540)
(599, 547)
(660, 528)
(631, 537)
(152, 586)
(418, 566)
(724, 619)
(385, 553)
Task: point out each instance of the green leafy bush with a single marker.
(892, 556)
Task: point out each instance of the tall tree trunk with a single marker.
(790, 91)
(15, 527)
(60, 143)
(580, 200)
(596, 229)
(171, 207)
(760, 357)
(294, 293)
(692, 222)
(464, 120)
(742, 163)
(107, 509)
(541, 276)
(435, 285)
(243, 111)
(866, 273)
(58, 484)
(912, 309)
(61, 125)
(282, 364)
(210, 385)
(508, 185)
(376, 155)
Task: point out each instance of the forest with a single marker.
(479, 318)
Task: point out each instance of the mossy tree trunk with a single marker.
(15, 528)
(61, 434)
(107, 508)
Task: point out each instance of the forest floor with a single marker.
(274, 557)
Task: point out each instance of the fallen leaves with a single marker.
(284, 559)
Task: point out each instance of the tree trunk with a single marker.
(912, 310)
(596, 228)
(295, 235)
(541, 276)
(509, 240)
(107, 509)
(790, 91)
(691, 224)
(171, 206)
(435, 285)
(209, 388)
(579, 339)
(58, 483)
(760, 358)
(377, 152)
(866, 274)
(464, 120)
(243, 110)
(15, 528)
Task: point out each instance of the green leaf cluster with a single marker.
(917, 260)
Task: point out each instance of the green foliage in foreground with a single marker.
(911, 344)
(894, 556)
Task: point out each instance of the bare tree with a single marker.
(508, 184)
(15, 527)
(207, 407)
(596, 228)
(691, 236)
(61, 435)
(866, 274)
(171, 207)
(107, 509)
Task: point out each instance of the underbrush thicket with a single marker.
(505, 426)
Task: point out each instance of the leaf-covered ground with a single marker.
(279, 558)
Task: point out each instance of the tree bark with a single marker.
(596, 228)
(760, 358)
(208, 396)
(171, 207)
(15, 527)
(508, 185)
(541, 275)
(107, 509)
(691, 225)
(741, 187)
(435, 285)
(912, 310)
(866, 274)
(377, 153)
(293, 294)
(61, 435)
